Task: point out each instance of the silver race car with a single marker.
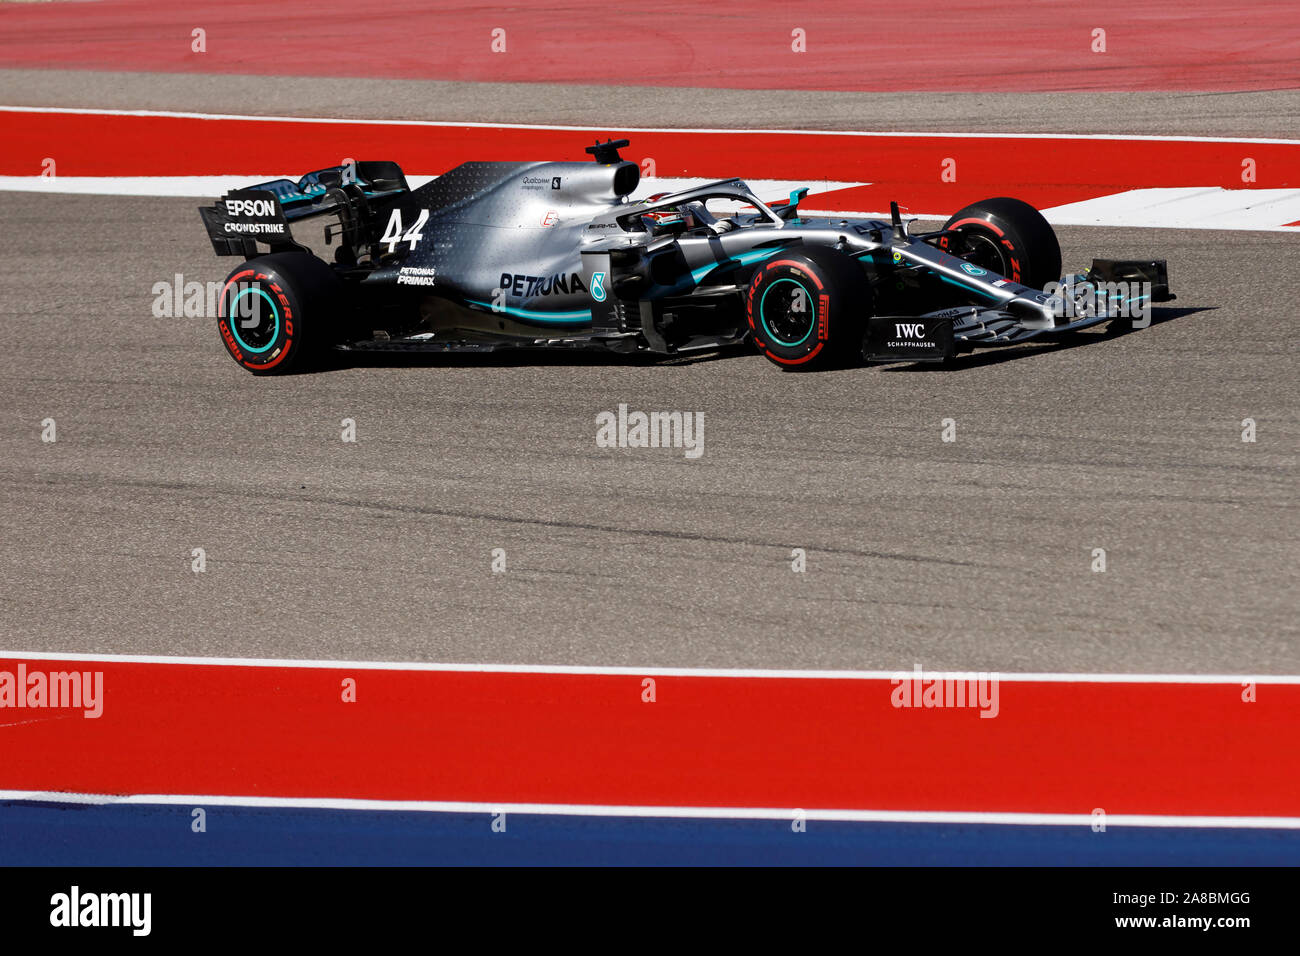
(495, 255)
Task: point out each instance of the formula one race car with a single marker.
(494, 255)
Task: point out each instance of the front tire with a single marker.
(1007, 236)
(276, 312)
(808, 309)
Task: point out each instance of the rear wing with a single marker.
(263, 213)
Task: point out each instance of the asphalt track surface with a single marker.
(974, 554)
(1203, 113)
(967, 555)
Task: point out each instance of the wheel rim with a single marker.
(254, 322)
(981, 249)
(787, 313)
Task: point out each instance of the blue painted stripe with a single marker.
(556, 318)
(767, 328)
(744, 259)
(161, 835)
(967, 288)
(235, 326)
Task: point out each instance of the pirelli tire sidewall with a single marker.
(837, 298)
(277, 313)
(1024, 242)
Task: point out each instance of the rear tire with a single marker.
(276, 313)
(808, 309)
(1006, 236)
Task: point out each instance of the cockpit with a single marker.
(689, 213)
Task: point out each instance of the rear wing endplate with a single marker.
(263, 212)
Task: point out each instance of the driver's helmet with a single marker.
(669, 219)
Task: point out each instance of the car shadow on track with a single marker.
(516, 358)
(519, 358)
(994, 356)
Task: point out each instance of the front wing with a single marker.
(1112, 290)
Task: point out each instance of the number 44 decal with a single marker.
(393, 231)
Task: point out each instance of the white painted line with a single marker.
(1186, 208)
(652, 671)
(197, 186)
(1069, 218)
(643, 129)
(210, 187)
(1256, 210)
(704, 813)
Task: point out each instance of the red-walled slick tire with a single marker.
(276, 313)
(808, 309)
(1006, 236)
